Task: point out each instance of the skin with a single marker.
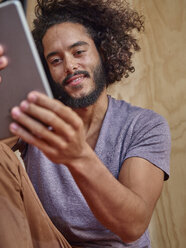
(124, 206)
(3, 61)
(3, 64)
(64, 58)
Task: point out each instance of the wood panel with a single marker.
(159, 83)
(30, 11)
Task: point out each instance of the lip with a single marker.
(75, 80)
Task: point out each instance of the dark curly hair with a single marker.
(110, 23)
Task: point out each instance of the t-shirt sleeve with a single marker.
(151, 140)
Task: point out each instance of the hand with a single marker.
(3, 60)
(51, 126)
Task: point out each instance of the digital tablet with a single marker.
(25, 71)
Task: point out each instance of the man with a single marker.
(97, 164)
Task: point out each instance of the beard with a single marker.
(99, 79)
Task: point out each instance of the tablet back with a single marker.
(25, 72)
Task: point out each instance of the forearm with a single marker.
(114, 205)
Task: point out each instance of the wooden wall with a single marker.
(159, 83)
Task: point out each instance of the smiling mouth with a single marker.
(73, 81)
(75, 78)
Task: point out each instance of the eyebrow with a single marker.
(51, 54)
(78, 43)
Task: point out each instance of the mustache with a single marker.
(85, 73)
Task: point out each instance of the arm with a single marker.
(124, 206)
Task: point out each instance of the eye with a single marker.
(79, 52)
(56, 61)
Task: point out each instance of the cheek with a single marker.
(56, 73)
(94, 66)
(91, 64)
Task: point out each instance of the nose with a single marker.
(70, 65)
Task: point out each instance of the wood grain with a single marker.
(159, 83)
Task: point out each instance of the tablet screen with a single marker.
(25, 71)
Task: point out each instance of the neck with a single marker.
(95, 111)
(92, 117)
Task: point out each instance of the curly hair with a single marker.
(109, 23)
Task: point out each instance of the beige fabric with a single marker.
(24, 222)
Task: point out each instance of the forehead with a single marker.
(65, 34)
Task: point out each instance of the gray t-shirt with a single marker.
(127, 131)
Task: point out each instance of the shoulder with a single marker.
(138, 118)
(144, 133)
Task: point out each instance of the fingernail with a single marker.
(3, 60)
(13, 127)
(24, 105)
(32, 97)
(15, 112)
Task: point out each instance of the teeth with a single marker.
(77, 79)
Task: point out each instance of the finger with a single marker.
(3, 62)
(38, 130)
(1, 50)
(47, 117)
(64, 112)
(16, 129)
